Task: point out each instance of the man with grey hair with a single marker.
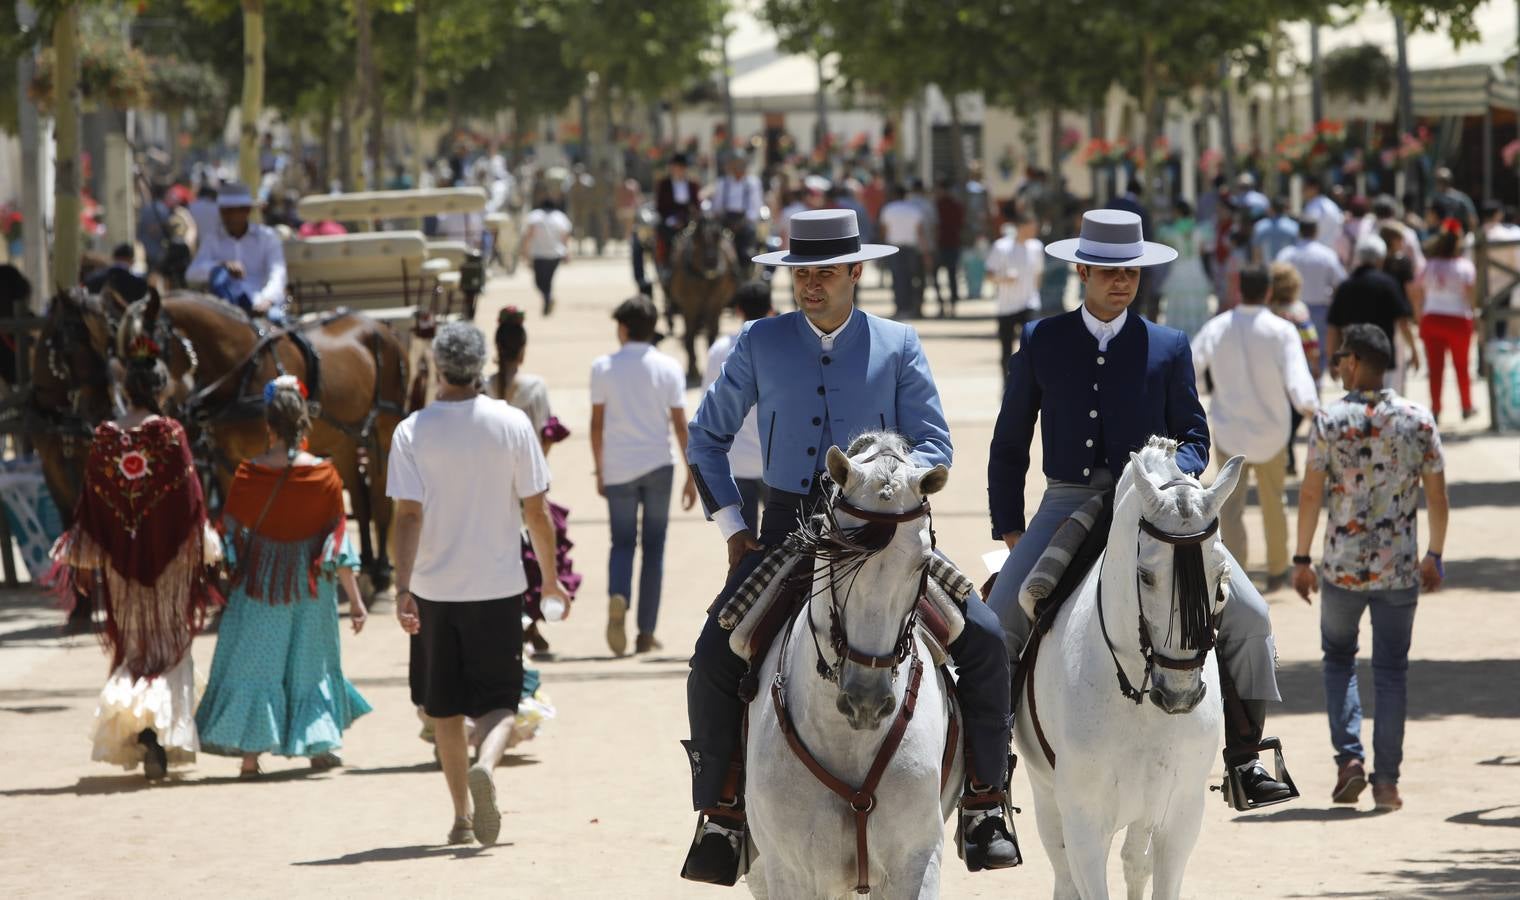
(1369, 296)
(459, 572)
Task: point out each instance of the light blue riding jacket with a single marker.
(875, 377)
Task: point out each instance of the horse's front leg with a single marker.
(1136, 853)
(1087, 839)
(1172, 845)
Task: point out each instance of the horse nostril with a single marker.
(885, 708)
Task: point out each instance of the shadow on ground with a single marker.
(131, 783)
(1463, 873)
(399, 854)
(1437, 688)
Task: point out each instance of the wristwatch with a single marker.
(1302, 560)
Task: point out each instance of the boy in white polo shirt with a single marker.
(638, 397)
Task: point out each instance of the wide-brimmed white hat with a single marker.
(1112, 238)
(824, 237)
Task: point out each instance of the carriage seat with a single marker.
(453, 252)
(368, 270)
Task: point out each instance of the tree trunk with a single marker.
(1406, 101)
(253, 93)
(346, 155)
(325, 169)
(1055, 145)
(419, 92)
(367, 138)
(1226, 121)
(1271, 177)
(957, 144)
(1316, 77)
(1148, 92)
(66, 249)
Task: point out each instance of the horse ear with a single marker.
(150, 312)
(1225, 483)
(1150, 497)
(839, 467)
(932, 481)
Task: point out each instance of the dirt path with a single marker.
(596, 807)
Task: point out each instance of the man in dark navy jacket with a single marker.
(1102, 380)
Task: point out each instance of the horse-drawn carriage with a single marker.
(356, 300)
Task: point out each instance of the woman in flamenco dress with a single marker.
(138, 549)
(277, 683)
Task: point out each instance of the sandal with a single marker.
(463, 832)
(253, 774)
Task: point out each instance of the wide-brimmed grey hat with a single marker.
(1112, 238)
(233, 195)
(824, 237)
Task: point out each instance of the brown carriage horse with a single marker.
(354, 367)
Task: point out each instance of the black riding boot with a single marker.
(1248, 784)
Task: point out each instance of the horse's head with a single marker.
(877, 546)
(1181, 570)
(71, 388)
(147, 318)
(708, 241)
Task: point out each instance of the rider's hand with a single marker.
(235, 268)
(261, 305)
(1305, 581)
(406, 612)
(739, 546)
(1012, 539)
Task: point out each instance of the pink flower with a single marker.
(133, 464)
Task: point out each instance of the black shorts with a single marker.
(467, 658)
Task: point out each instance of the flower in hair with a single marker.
(510, 316)
(1451, 225)
(284, 382)
(143, 348)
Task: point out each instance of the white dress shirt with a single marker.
(739, 195)
(730, 519)
(1025, 261)
(1319, 269)
(258, 250)
(1328, 219)
(1103, 331)
(1257, 361)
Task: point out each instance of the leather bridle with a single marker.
(1147, 646)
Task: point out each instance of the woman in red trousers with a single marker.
(1446, 315)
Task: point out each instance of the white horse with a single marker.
(844, 698)
(1143, 618)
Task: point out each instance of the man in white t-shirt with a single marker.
(1014, 265)
(751, 301)
(1327, 216)
(903, 224)
(638, 397)
(466, 472)
(1255, 360)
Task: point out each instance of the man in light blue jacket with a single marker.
(818, 378)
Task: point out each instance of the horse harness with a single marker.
(1147, 647)
(862, 800)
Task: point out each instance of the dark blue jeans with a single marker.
(651, 493)
(907, 281)
(1340, 616)
(235, 291)
(714, 710)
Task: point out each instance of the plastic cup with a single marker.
(553, 609)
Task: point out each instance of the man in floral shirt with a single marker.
(1375, 449)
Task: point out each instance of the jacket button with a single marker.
(804, 482)
(1093, 414)
(811, 451)
(820, 390)
(817, 421)
(1089, 442)
(826, 360)
(1100, 360)
(1095, 385)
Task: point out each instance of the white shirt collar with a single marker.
(828, 339)
(1101, 330)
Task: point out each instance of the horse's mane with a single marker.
(885, 466)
